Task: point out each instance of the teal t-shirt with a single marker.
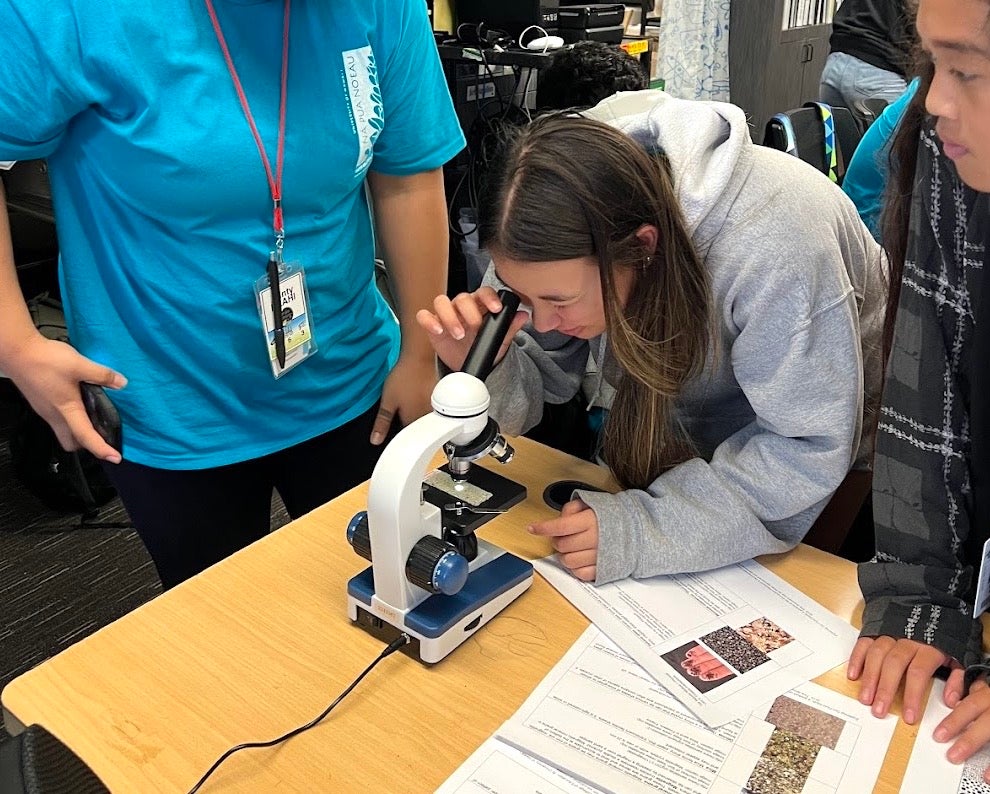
(163, 208)
(866, 177)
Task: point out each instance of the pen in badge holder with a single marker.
(279, 332)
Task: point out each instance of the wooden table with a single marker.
(261, 643)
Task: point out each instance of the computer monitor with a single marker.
(512, 16)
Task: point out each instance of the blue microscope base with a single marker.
(442, 622)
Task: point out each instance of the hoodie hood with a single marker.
(707, 143)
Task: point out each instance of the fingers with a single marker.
(453, 324)
(954, 687)
(555, 527)
(517, 323)
(383, 423)
(569, 523)
(715, 674)
(881, 665)
(968, 724)
(707, 665)
(574, 536)
(858, 658)
(429, 322)
(701, 663)
(78, 433)
(465, 312)
(572, 507)
(99, 375)
(577, 541)
(48, 374)
(872, 666)
(586, 558)
(918, 678)
(904, 661)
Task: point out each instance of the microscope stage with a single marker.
(441, 491)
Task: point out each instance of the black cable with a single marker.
(400, 641)
(490, 73)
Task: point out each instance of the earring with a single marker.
(647, 261)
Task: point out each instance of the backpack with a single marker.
(817, 133)
(67, 482)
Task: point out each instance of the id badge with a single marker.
(295, 336)
(982, 600)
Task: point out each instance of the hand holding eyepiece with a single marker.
(481, 356)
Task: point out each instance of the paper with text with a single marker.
(499, 768)
(929, 770)
(722, 641)
(600, 720)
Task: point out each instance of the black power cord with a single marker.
(400, 641)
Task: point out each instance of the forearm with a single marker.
(691, 519)
(411, 228)
(898, 605)
(16, 327)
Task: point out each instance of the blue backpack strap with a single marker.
(831, 150)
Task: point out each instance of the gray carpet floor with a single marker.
(58, 582)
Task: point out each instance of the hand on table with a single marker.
(880, 663)
(453, 324)
(574, 537)
(968, 726)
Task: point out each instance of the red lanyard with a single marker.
(274, 180)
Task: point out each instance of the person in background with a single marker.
(732, 298)
(190, 147)
(870, 49)
(865, 181)
(932, 482)
(582, 75)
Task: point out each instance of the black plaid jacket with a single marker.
(920, 585)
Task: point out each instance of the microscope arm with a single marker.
(397, 516)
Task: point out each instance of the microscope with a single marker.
(430, 576)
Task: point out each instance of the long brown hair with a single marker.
(567, 187)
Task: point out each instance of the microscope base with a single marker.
(441, 623)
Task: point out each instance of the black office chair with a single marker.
(32, 226)
(822, 136)
(866, 111)
(35, 762)
(27, 188)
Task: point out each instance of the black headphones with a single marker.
(481, 36)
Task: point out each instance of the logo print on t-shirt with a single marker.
(367, 114)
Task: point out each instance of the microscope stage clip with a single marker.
(459, 508)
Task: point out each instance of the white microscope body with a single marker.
(418, 583)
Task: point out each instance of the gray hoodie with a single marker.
(777, 415)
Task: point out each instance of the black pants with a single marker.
(189, 520)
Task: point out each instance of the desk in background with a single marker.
(488, 88)
(261, 643)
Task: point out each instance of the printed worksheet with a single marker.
(722, 641)
(929, 770)
(599, 720)
(499, 768)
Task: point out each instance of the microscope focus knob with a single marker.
(359, 536)
(436, 566)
